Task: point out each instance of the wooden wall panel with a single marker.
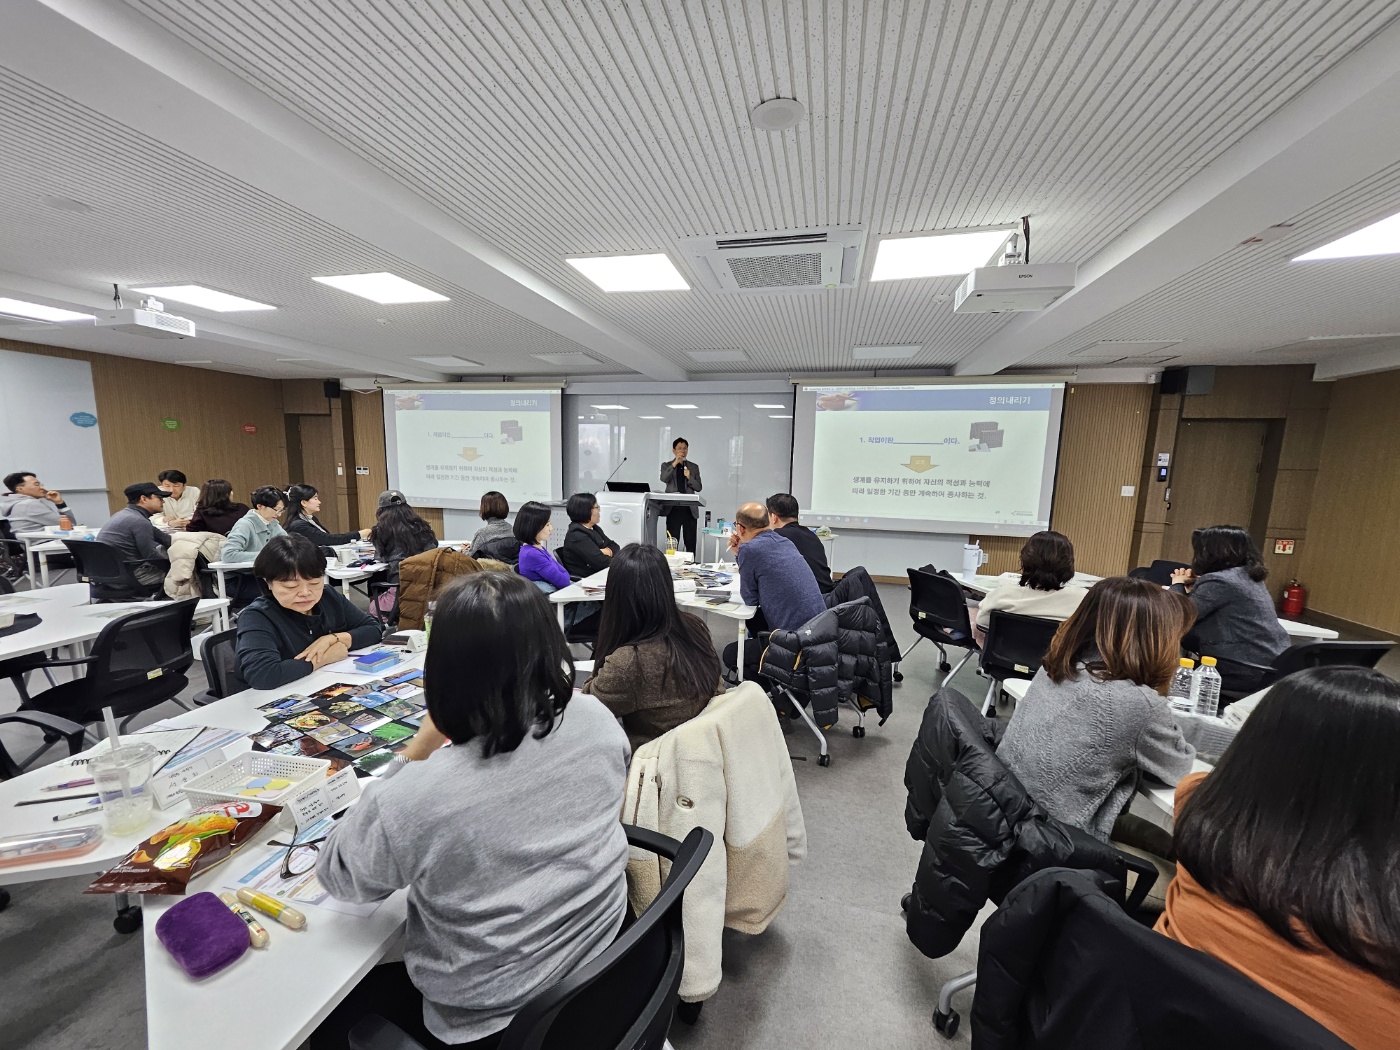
(1101, 450)
(1351, 565)
(304, 397)
(212, 407)
(1245, 393)
(367, 434)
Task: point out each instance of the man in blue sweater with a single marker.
(773, 576)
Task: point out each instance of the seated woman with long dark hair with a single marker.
(399, 532)
(508, 841)
(1289, 852)
(215, 511)
(1235, 615)
(1095, 717)
(300, 519)
(654, 664)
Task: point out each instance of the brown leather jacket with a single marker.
(422, 576)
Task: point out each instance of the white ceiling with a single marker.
(470, 146)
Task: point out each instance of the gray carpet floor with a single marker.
(835, 968)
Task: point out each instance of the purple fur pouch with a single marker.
(203, 934)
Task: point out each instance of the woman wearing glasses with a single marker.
(298, 625)
(508, 841)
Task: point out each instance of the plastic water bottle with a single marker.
(1182, 693)
(1207, 688)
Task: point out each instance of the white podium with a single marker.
(622, 515)
(658, 504)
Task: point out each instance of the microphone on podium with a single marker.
(614, 473)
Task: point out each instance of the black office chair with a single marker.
(1014, 647)
(1300, 658)
(938, 608)
(53, 727)
(138, 661)
(219, 655)
(109, 575)
(1159, 572)
(1061, 966)
(14, 559)
(624, 999)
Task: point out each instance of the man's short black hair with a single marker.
(679, 441)
(291, 557)
(267, 496)
(783, 504)
(580, 507)
(497, 666)
(15, 480)
(133, 493)
(175, 477)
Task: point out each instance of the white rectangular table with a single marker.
(40, 544)
(340, 574)
(66, 618)
(734, 609)
(321, 963)
(1295, 630)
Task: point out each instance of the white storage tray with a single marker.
(222, 783)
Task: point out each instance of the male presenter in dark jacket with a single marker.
(680, 474)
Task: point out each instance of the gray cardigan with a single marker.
(495, 529)
(248, 536)
(1079, 746)
(1235, 618)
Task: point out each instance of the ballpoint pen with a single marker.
(69, 784)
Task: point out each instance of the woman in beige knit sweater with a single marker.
(655, 666)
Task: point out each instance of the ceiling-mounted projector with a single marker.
(1008, 289)
(150, 319)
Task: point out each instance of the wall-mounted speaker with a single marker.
(1193, 380)
(331, 387)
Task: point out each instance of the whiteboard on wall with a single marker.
(48, 421)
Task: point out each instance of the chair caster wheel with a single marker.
(4, 898)
(898, 676)
(824, 760)
(946, 1023)
(904, 901)
(945, 667)
(689, 1012)
(857, 731)
(128, 920)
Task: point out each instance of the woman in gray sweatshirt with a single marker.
(1094, 718)
(508, 841)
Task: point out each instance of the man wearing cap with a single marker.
(131, 532)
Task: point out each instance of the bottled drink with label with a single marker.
(1182, 693)
(1207, 688)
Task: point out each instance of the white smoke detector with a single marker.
(777, 114)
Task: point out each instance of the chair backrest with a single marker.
(1015, 644)
(938, 600)
(100, 563)
(6, 587)
(1328, 654)
(130, 650)
(220, 658)
(1160, 571)
(14, 558)
(624, 999)
(1060, 965)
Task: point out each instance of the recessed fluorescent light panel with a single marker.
(710, 357)
(610, 408)
(709, 417)
(682, 406)
(770, 406)
(884, 353)
(39, 312)
(780, 417)
(650, 417)
(205, 298)
(654, 272)
(448, 363)
(936, 255)
(386, 288)
(1380, 238)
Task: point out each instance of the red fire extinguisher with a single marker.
(1293, 598)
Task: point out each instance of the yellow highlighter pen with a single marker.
(257, 932)
(285, 914)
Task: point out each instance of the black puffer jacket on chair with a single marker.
(982, 833)
(854, 585)
(829, 658)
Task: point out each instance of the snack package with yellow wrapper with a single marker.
(166, 861)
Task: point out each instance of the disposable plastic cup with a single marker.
(122, 777)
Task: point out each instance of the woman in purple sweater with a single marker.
(532, 529)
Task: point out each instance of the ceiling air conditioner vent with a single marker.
(775, 263)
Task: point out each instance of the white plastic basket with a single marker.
(222, 783)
